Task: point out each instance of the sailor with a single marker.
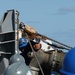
(29, 57)
(68, 67)
(45, 59)
(25, 49)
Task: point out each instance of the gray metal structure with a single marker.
(16, 58)
(18, 68)
(7, 38)
(11, 62)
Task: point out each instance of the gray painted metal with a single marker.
(7, 24)
(3, 65)
(18, 68)
(17, 58)
(8, 47)
(7, 38)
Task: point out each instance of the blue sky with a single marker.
(53, 18)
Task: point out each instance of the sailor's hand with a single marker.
(30, 54)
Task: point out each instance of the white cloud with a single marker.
(71, 9)
(64, 10)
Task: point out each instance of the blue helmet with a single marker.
(68, 67)
(23, 42)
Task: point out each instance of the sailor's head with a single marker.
(37, 46)
(68, 67)
(23, 43)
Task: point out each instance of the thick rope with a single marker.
(35, 55)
